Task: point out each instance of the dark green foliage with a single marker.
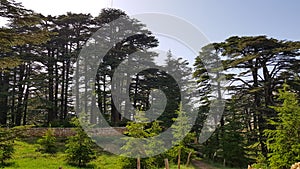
(149, 163)
(48, 142)
(284, 141)
(181, 147)
(140, 42)
(79, 148)
(6, 144)
(233, 143)
(184, 147)
(255, 67)
(227, 145)
(142, 129)
(7, 138)
(18, 41)
(39, 51)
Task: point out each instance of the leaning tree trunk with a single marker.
(179, 154)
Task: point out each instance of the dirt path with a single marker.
(202, 165)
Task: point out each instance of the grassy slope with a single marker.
(26, 157)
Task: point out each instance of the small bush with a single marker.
(6, 151)
(79, 147)
(48, 142)
(142, 129)
(6, 145)
(284, 142)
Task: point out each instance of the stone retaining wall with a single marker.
(67, 132)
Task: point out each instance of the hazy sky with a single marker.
(217, 19)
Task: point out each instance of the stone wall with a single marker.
(67, 132)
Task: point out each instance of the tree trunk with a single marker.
(77, 87)
(167, 164)
(20, 105)
(136, 91)
(4, 82)
(114, 113)
(188, 159)
(258, 114)
(127, 113)
(93, 117)
(138, 161)
(178, 160)
(104, 94)
(13, 99)
(62, 97)
(66, 90)
(56, 89)
(99, 94)
(26, 94)
(51, 111)
(25, 106)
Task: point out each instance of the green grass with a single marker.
(106, 161)
(26, 156)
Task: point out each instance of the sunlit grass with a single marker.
(26, 156)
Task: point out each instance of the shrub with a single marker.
(6, 145)
(48, 142)
(261, 162)
(7, 138)
(79, 147)
(284, 141)
(181, 150)
(142, 129)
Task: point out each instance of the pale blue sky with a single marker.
(220, 19)
(217, 19)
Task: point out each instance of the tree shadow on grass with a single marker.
(88, 166)
(9, 164)
(59, 143)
